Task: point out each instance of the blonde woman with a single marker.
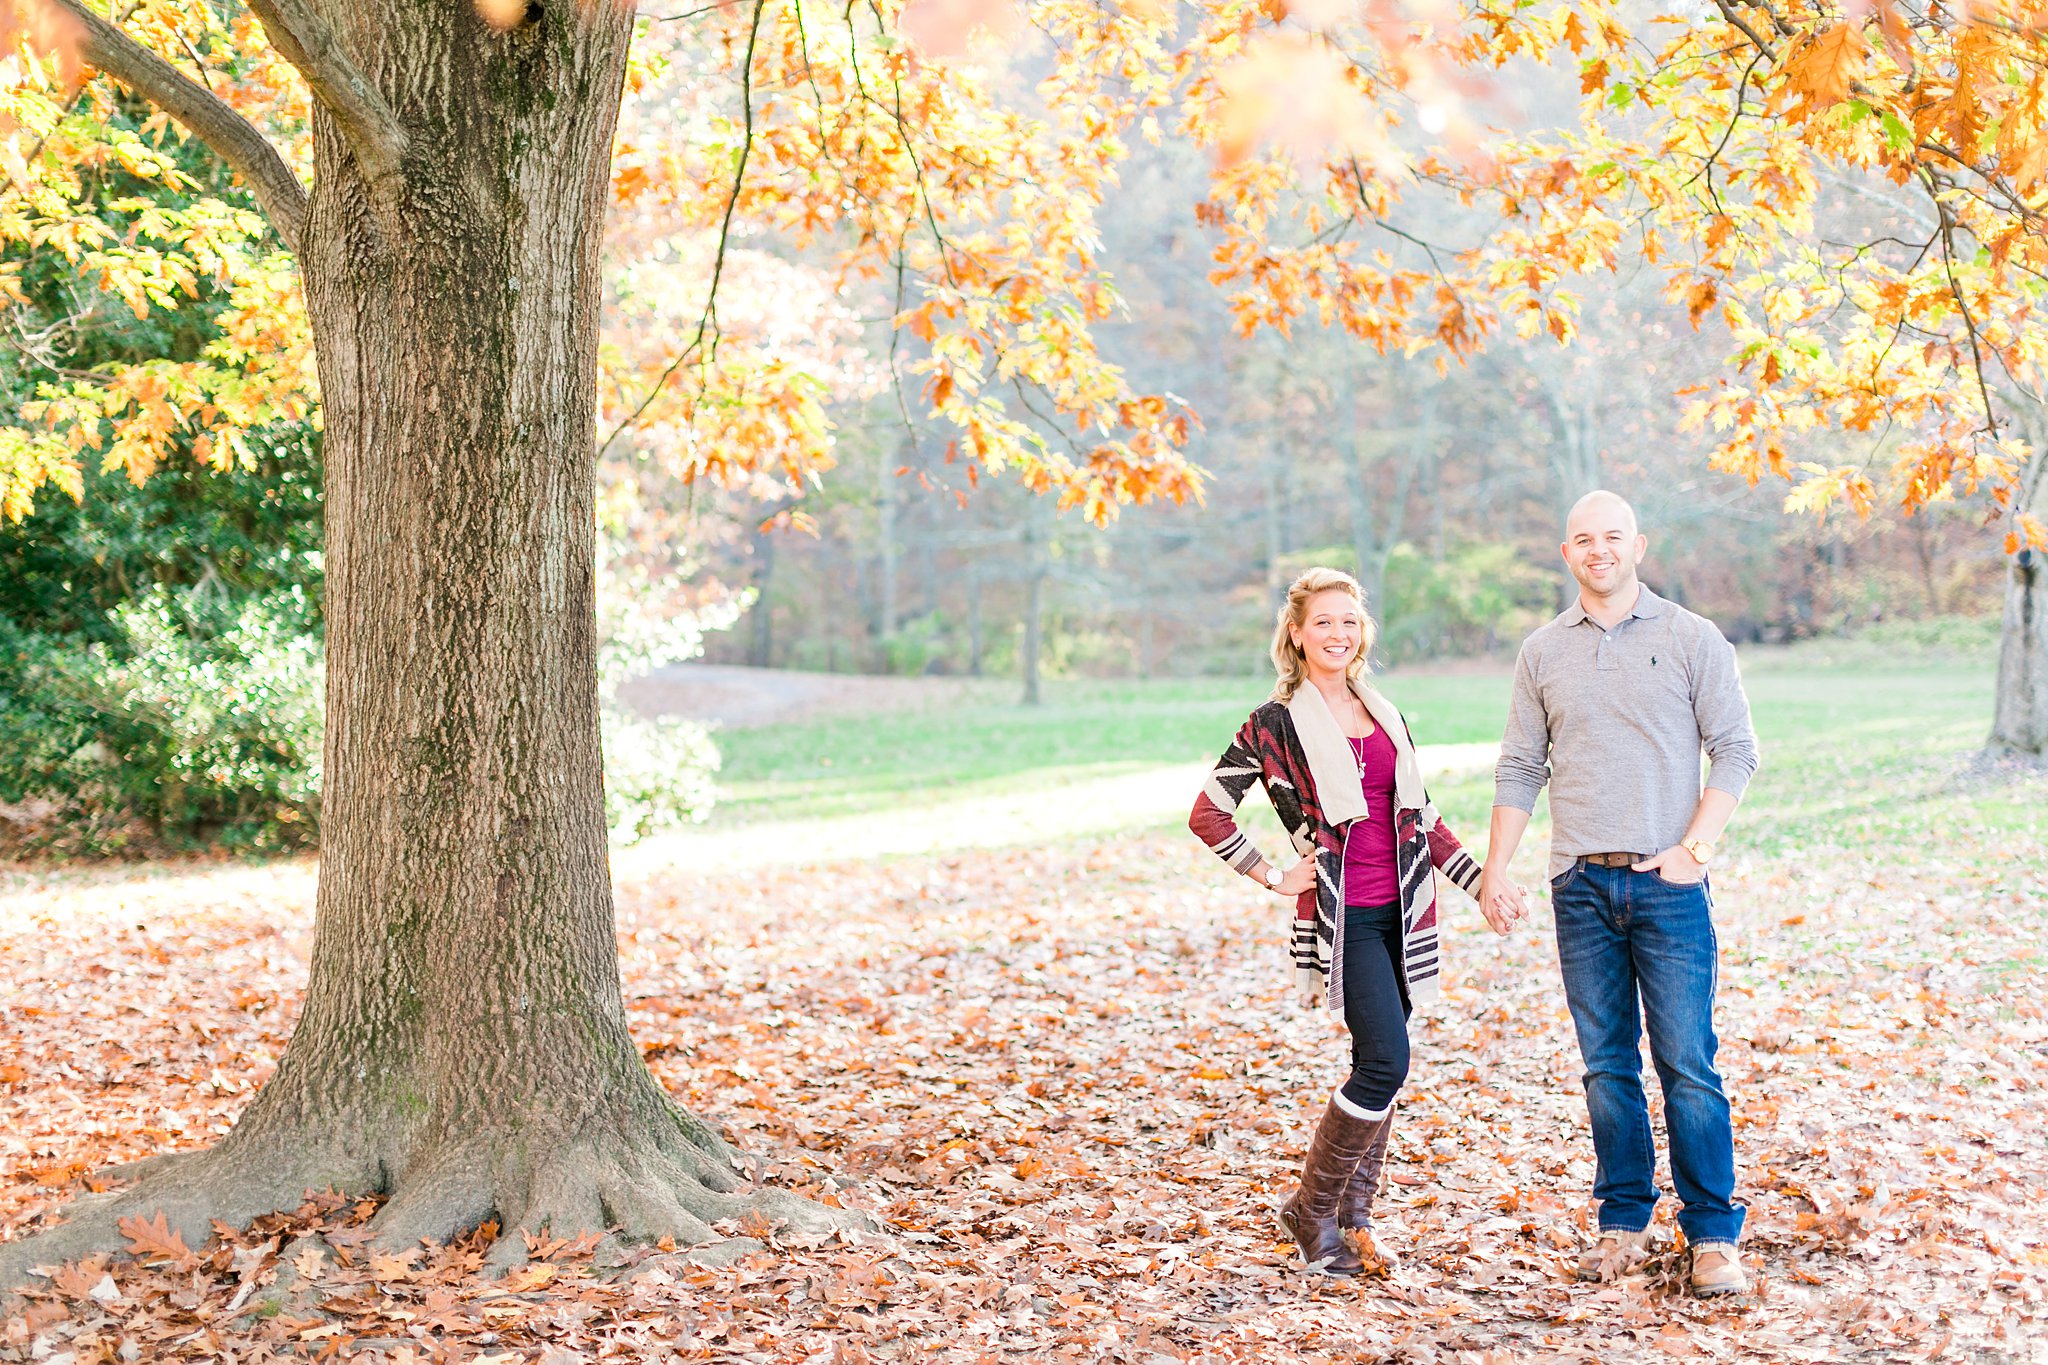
(1339, 766)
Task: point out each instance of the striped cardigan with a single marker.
(1298, 752)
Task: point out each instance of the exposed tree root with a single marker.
(189, 1191)
(149, 1165)
(644, 1190)
(643, 1182)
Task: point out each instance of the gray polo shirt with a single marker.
(1615, 721)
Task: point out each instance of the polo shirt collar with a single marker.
(1648, 605)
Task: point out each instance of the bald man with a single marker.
(1614, 702)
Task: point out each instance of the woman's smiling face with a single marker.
(1330, 631)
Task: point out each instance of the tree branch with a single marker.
(1955, 289)
(707, 321)
(298, 31)
(203, 114)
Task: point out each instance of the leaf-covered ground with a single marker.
(1074, 1082)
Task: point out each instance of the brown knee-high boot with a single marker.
(1354, 1210)
(1310, 1214)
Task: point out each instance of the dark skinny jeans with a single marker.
(1375, 1005)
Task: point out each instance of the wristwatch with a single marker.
(1702, 850)
(1274, 876)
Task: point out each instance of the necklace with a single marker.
(1358, 750)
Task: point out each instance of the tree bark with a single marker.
(2020, 719)
(1034, 609)
(1407, 446)
(1142, 544)
(974, 638)
(761, 626)
(890, 552)
(2020, 708)
(1275, 516)
(1575, 457)
(463, 1046)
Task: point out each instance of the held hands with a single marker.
(1674, 864)
(1502, 900)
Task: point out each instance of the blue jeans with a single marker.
(1375, 1005)
(1623, 935)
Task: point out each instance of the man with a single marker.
(1614, 701)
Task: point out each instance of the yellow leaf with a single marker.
(530, 1276)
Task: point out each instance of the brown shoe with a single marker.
(1354, 1210)
(1614, 1255)
(1310, 1215)
(1717, 1270)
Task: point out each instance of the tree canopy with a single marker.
(1850, 192)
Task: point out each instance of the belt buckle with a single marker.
(1613, 860)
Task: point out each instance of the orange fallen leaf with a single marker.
(154, 1239)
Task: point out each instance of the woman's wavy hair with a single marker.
(1287, 657)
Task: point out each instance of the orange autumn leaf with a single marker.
(153, 1239)
(1827, 65)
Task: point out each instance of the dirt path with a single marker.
(738, 698)
(1076, 807)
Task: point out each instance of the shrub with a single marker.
(921, 645)
(1948, 636)
(199, 722)
(1478, 599)
(659, 773)
(196, 719)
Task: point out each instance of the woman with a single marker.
(1339, 766)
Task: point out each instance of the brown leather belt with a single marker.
(1612, 859)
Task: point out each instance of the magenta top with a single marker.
(1370, 877)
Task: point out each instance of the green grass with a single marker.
(1862, 757)
(849, 765)
(1866, 750)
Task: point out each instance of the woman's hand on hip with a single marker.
(1301, 877)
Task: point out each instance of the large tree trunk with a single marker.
(463, 1046)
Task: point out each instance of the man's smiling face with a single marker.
(1602, 546)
